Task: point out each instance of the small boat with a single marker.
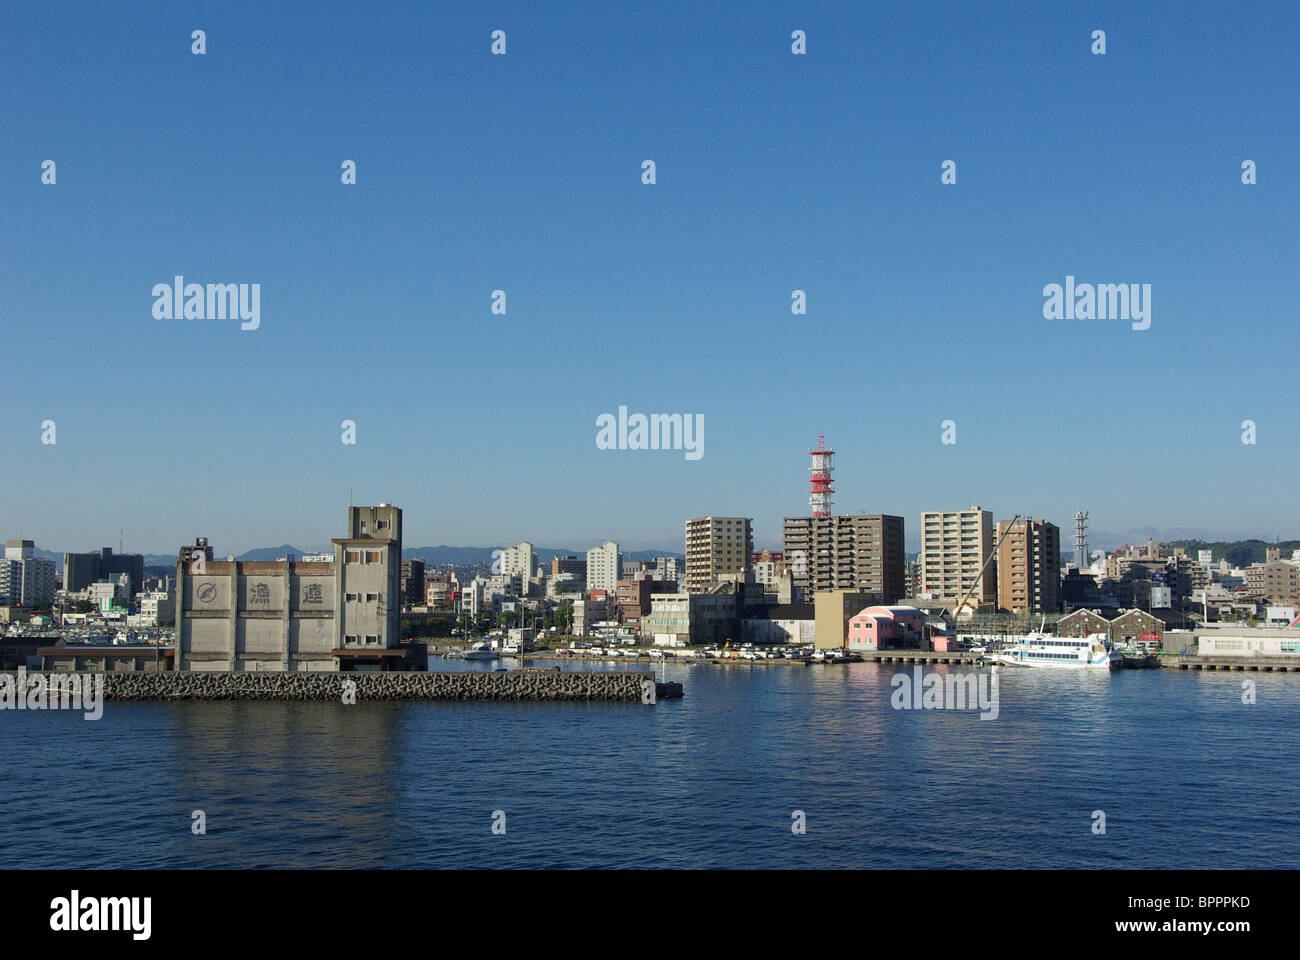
(480, 651)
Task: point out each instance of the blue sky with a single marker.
(522, 172)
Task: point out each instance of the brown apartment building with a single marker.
(633, 598)
(858, 552)
(1029, 566)
(1277, 580)
(715, 547)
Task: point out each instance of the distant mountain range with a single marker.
(1237, 552)
(432, 555)
(446, 554)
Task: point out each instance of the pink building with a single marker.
(944, 643)
(885, 628)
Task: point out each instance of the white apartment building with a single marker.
(473, 597)
(765, 572)
(521, 558)
(588, 613)
(669, 568)
(604, 567)
(25, 579)
(669, 619)
(157, 607)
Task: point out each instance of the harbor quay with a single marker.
(1172, 661)
(1168, 661)
(529, 684)
(878, 656)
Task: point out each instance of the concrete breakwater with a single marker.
(520, 685)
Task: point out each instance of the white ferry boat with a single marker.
(1048, 650)
(481, 651)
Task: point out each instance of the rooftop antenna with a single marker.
(823, 463)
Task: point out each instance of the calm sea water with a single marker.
(1188, 776)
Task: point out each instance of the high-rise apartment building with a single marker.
(862, 553)
(521, 558)
(25, 578)
(715, 547)
(1029, 566)
(604, 567)
(954, 547)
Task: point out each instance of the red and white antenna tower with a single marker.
(823, 463)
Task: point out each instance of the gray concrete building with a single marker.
(298, 616)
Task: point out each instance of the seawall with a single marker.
(518, 685)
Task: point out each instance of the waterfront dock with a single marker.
(1175, 661)
(867, 656)
(919, 656)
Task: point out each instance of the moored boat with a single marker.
(1049, 650)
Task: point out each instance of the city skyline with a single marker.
(925, 301)
(1098, 540)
